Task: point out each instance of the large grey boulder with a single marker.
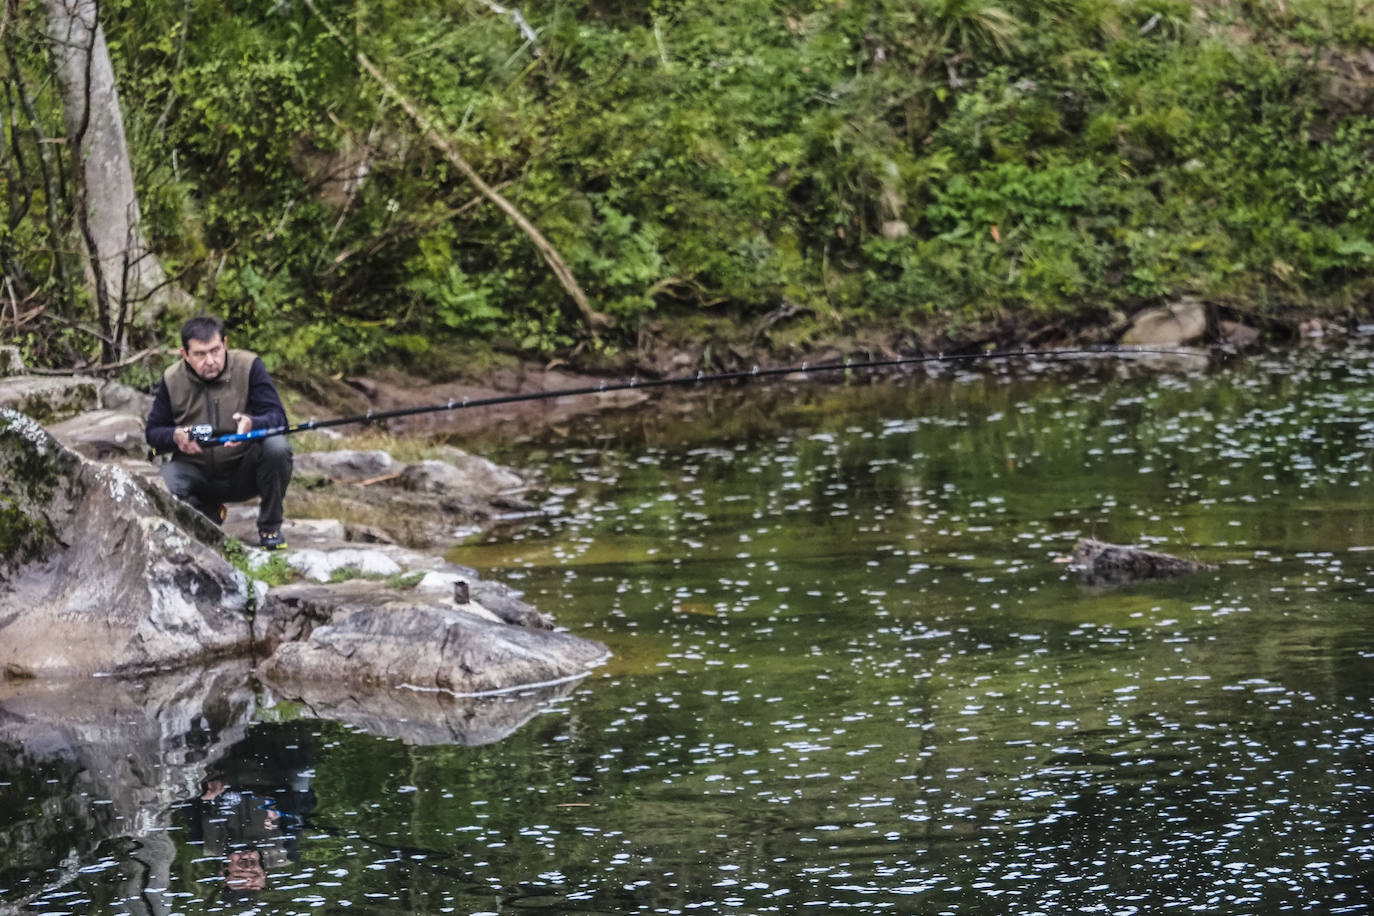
(102, 572)
(49, 399)
(426, 646)
(95, 577)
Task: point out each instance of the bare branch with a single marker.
(530, 35)
(104, 367)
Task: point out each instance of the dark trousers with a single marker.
(263, 471)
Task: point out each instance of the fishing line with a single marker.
(204, 434)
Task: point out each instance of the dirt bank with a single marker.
(784, 339)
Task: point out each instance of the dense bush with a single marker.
(893, 163)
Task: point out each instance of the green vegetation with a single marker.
(22, 537)
(910, 167)
(274, 571)
(401, 580)
(30, 474)
(405, 580)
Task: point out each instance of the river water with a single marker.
(848, 675)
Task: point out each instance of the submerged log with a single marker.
(1099, 563)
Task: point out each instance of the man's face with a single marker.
(244, 871)
(206, 357)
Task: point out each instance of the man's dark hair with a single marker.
(202, 327)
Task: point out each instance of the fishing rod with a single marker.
(205, 434)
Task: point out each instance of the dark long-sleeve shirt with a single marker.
(264, 406)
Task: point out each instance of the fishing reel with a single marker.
(203, 433)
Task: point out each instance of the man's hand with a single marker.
(181, 437)
(245, 423)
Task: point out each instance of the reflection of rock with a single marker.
(95, 773)
(1099, 563)
(114, 756)
(424, 717)
(94, 575)
(429, 646)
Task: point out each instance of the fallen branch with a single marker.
(550, 254)
(102, 367)
(380, 478)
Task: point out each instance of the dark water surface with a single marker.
(847, 675)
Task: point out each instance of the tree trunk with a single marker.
(129, 283)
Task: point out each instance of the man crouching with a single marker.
(230, 391)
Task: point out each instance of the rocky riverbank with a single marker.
(382, 525)
(103, 572)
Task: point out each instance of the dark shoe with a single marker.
(271, 540)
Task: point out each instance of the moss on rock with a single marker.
(29, 476)
(11, 362)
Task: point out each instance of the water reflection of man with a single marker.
(227, 820)
(253, 805)
(244, 872)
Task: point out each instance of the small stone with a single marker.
(1175, 325)
(366, 534)
(118, 396)
(322, 565)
